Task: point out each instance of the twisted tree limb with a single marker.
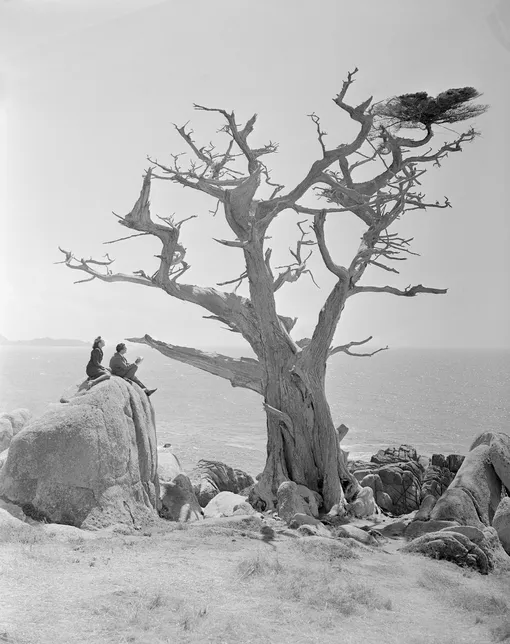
(241, 372)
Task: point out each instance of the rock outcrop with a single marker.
(474, 495)
(453, 546)
(401, 479)
(209, 478)
(91, 462)
(474, 503)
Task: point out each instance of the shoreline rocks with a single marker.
(401, 479)
(93, 463)
(474, 504)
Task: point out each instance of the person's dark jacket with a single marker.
(119, 365)
(94, 367)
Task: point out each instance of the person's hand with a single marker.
(138, 360)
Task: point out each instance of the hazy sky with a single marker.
(89, 88)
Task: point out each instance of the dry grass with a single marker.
(207, 584)
(258, 565)
(21, 534)
(319, 588)
(483, 599)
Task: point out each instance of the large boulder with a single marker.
(209, 478)
(472, 501)
(91, 462)
(10, 424)
(466, 546)
(474, 494)
(455, 547)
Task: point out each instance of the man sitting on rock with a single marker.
(121, 367)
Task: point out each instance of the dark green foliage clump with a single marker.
(419, 109)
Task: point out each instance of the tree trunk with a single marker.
(302, 442)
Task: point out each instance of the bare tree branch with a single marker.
(316, 173)
(410, 291)
(320, 133)
(345, 348)
(237, 281)
(80, 265)
(114, 241)
(232, 309)
(241, 372)
(189, 179)
(444, 150)
(241, 136)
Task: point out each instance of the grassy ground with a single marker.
(221, 583)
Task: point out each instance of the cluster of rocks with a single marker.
(401, 479)
(93, 462)
(212, 489)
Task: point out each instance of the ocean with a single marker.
(435, 400)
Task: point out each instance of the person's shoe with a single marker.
(149, 392)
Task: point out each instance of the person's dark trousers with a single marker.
(130, 375)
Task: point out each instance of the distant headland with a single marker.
(43, 342)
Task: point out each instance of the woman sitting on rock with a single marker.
(95, 370)
(121, 367)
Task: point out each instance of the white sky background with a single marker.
(89, 88)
